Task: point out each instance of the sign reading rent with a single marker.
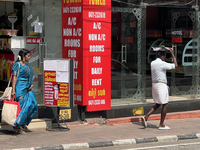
(87, 39)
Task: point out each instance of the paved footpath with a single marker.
(98, 135)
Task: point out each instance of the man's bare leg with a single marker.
(163, 114)
(154, 108)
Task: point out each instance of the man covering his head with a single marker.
(159, 84)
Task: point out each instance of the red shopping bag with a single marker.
(10, 111)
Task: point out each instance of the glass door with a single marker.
(33, 31)
(43, 41)
(128, 55)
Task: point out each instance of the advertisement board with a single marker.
(87, 39)
(6, 62)
(73, 43)
(58, 82)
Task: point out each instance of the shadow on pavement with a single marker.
(149, 125)
(2, 132)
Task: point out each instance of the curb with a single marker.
(174, 115)
(115, 142)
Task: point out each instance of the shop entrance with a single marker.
(10, 22)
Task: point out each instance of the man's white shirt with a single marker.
(158, 70)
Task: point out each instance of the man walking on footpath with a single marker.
(159, 85)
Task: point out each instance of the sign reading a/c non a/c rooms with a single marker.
(86, 36)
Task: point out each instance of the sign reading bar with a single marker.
(87, 39)
(58, 83)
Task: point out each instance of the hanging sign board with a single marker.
(58, 82)
(177, 35)
(33, 40)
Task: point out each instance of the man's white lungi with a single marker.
(159, 80)
(160, 93)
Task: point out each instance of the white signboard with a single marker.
(50, 65)
(61, 67)
(17, 42)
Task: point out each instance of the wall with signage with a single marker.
(86, 35)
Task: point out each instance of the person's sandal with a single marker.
(25, 128)
(19, 131)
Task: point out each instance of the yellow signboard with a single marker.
(138, 111)
(65, 114)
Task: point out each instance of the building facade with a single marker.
(136, 27)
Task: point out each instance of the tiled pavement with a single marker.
(184, 125)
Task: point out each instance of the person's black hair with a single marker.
(22, 53)
(160, 54)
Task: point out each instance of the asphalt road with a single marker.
(193, 144)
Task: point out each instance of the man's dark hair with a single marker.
(160, 54)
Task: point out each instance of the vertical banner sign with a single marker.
(73, 43)
(92, 54)
(97, 54)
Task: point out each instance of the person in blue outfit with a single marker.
(22, 84)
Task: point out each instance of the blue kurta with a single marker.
(27, 99)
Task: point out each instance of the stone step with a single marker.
(35, 124)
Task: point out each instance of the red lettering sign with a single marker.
(33, 50)
(72, 41)
(127, 39)
(55, 94)
(33, 40)
(176, 39)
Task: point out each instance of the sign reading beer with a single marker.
(87, 39)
